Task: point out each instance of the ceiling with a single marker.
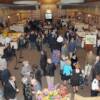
(42, 1)
(87, 3)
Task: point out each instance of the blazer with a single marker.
(9, 91)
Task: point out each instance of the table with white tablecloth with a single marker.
(17, 28)
(81, 26)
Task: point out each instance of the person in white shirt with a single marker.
(7, 40)
(95, 89)
(26, 69)
(87, 73)
(3, 63)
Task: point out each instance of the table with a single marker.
(17, 28)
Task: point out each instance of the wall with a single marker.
(17, 15)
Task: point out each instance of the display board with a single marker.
(48, 16)
(90, 39)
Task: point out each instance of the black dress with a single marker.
(75, 79)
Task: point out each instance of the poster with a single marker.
(90, 39)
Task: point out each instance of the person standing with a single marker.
(74, 59)
(56, 57)
(67, 71)
(96, 67)
(38, 74)
(59, 42)
(87, 73)
(64, 50)
(39, 42)
(75, 79)
(62, 63)
(72, 47)
(32, 39)
(95, 89)
(27, 89)
(26, 69)
(50, 72)
(4, 72)
(10, 89)
(43, 61)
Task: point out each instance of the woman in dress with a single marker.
(75, 79)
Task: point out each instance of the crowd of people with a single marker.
(63, 56)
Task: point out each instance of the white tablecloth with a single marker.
(17, 28)
(80, 26)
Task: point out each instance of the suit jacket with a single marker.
(9, 91)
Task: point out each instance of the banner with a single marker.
(90, 39)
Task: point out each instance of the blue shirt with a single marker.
(67, 70)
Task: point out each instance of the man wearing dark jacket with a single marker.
(10, 89)
(43, 61)
(50, 72)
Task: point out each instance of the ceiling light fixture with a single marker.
(70, 1)
(26, 2)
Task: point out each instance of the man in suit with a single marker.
(10, 89)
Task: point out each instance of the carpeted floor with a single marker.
(33, 57)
